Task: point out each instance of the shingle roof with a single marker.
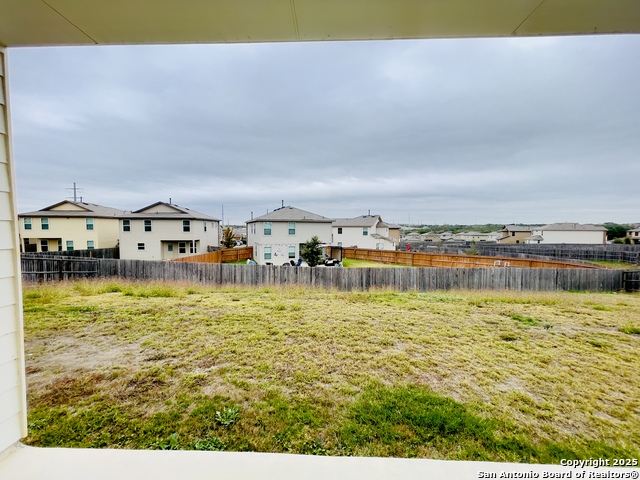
(361, 221)
(180, 213)
(572, 227)
(291, 214)
(90, 210)
(516, 228)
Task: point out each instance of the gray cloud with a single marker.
(462, 131)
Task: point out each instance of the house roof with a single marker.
(573, 227)
(361, 221)
(535, 237)
(291, 214)
(176, 213)
(634, 230)
(516, 228)
(88, 210)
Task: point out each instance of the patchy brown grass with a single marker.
(550, 367)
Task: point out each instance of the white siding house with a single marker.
(163, 231)
(557, 233)
(634, 235)
(365, 231)
(68, 226)
(276, 237)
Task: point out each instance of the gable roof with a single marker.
(361, 221)
(516, 228)
(291, 214)
(176, 212)
(89, 210)
(573, 227)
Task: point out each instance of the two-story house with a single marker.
(68, 226)
(163, 231)
(365, 231)
(634, 235)
(276, 237)
(514, 234)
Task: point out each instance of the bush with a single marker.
(311, 252)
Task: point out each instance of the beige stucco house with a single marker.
(514, 234)
(365, 231)
(163, 231)
(68, 226)
(584, 234)
(634, 235)
(276, 237)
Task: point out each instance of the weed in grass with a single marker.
(630, 330)
(525, 320)
(227, 416)
(210, 444)
(507, 337)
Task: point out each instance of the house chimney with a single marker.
(251, 215)
(169, 200)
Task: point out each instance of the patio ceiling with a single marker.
(108, 22)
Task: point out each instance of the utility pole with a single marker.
(76, 190)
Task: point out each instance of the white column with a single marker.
(13, 403)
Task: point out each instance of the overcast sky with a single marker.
(533, 130)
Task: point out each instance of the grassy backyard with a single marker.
(459, 375)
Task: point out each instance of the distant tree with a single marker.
(311, 252)
(615, 230)
(228, 240)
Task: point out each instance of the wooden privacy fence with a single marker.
(423, 259)
(48, 268)
(418, 279)
(608, 253)
(631, 281)
(220, 256)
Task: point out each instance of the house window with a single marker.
(267, 229)
(141, 246)
(339, 244)
(182, 247)
(267, 253)
(44, 245)
(126, 225)
(339, 230)
(192, 247)
(59, 244)
(513, 234)
(365, 231)
(205, 226)
(147, 225)
(170, 247)
(44, 223)
(292, 251)
(89, 223)
(90, 245)
(292, 228)
(186, 226)
(69, 245)
(27, 224)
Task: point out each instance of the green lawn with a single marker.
(351, 263)
(498, 376)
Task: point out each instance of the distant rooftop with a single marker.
(85, 210)
(291, 214)
(572, 227)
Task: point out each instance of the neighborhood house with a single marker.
(366, 231)
(576, 233)
(164, 231)
(68, 226)
(277, 237)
